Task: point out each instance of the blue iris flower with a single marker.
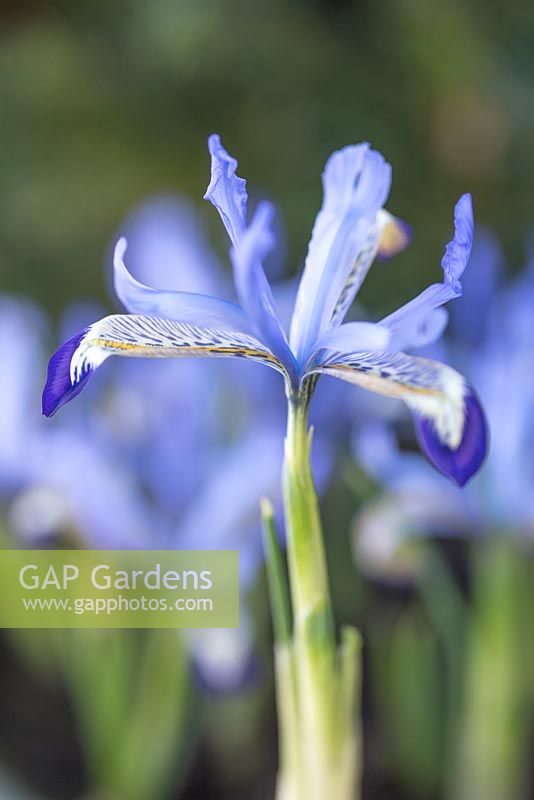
(351, 229)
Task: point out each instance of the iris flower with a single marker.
(351, 229)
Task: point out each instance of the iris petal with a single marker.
(344, 241)
(449, 420)
(419, 313)
(352, 336)
(457, 252)
(253, 287)
(226, 191)
(59, 388)
(181, 306)
(139, 336)
(462, 462)
(419, 330)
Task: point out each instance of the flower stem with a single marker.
(306, 556)
(316, 683)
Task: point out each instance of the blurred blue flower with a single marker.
(350, 230)
(53, 478)
(225, 659)
(22, 329)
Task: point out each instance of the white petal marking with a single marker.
(429, 388)
(155, 337)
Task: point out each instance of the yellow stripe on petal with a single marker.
(431, 389)
(159, 337)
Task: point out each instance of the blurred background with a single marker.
(105, 112)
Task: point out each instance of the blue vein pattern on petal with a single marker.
(180, 306)
(386, 237)
(226, 191)
(350, 337)
(356, 183)
(338, 178)
(461, 463)
(362, 263)
(430, 389)
(253, 288)
(139, 336)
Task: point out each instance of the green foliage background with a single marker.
(106, 102)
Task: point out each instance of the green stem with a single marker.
(305, 548)
(316, 684)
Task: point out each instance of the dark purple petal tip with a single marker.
(461, 464)
(58, 389)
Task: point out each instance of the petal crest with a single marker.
(226, 191)
(458, 251)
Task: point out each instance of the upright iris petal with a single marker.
(356, 183)
(458, 251)
(226, 191)
(253, 287)
(251, 245)
(365, 336)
